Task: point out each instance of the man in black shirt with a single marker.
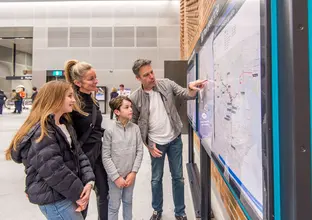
(33, 96)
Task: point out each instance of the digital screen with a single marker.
(101, 93)
(230, 121)
(100, 96)
(205, 103)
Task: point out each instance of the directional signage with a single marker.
(57, 73)
(18, 78)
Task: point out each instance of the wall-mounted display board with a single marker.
(101, 94)
(101, 97)
(231, 106)
(205, 98)
(191, 104)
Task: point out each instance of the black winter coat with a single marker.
(54, 171)
(92, 146)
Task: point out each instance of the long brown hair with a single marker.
(49, 100)
(74, 71)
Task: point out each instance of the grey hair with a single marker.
(138, 64)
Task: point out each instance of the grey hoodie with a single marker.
(122, 150)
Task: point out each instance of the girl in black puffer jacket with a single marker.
(59, 177)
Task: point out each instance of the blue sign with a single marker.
(57, 73)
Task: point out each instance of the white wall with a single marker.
(115, 15)
(5, 85)
(6, 69)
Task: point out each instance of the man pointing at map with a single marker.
(155, 112)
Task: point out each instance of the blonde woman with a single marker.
(88, 126)
(59, 177)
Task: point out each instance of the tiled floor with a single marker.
(15, 206)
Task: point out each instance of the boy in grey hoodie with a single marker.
(122, 155)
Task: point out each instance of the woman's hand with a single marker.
(84, 198)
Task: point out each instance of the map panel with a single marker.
(237, 100)
(206, 95)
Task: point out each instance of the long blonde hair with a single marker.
(74, 71)
(49, 100)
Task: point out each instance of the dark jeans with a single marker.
(1, 108)
(101, 190)
(174, 152)
(15, 106)
(18, 106)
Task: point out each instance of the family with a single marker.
(67, 153)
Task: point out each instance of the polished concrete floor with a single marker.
(15, 206)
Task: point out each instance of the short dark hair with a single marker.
(138, 64)
(116, 103)
(121, 85)
(34, 88)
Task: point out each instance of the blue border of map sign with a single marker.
(222, 13)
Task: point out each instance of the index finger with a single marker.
(201, 82)
(204, 81)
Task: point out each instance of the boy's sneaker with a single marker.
(156, 216)
(181, 217)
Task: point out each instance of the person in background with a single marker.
(83, 79)
(17, 102)
(20, 95)
(122, 90)
(59, 177)
(33, 96)
(23, 96)
(122, 154)
(113, 94)
(155, 112)
(3, 98)
(13, 99)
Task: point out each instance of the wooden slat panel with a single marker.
(194, 17)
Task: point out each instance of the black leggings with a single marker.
(101, 191)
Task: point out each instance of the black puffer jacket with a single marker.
(54, 171)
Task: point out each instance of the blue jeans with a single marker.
(117, 195)
(174, 152)
(61, 210)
